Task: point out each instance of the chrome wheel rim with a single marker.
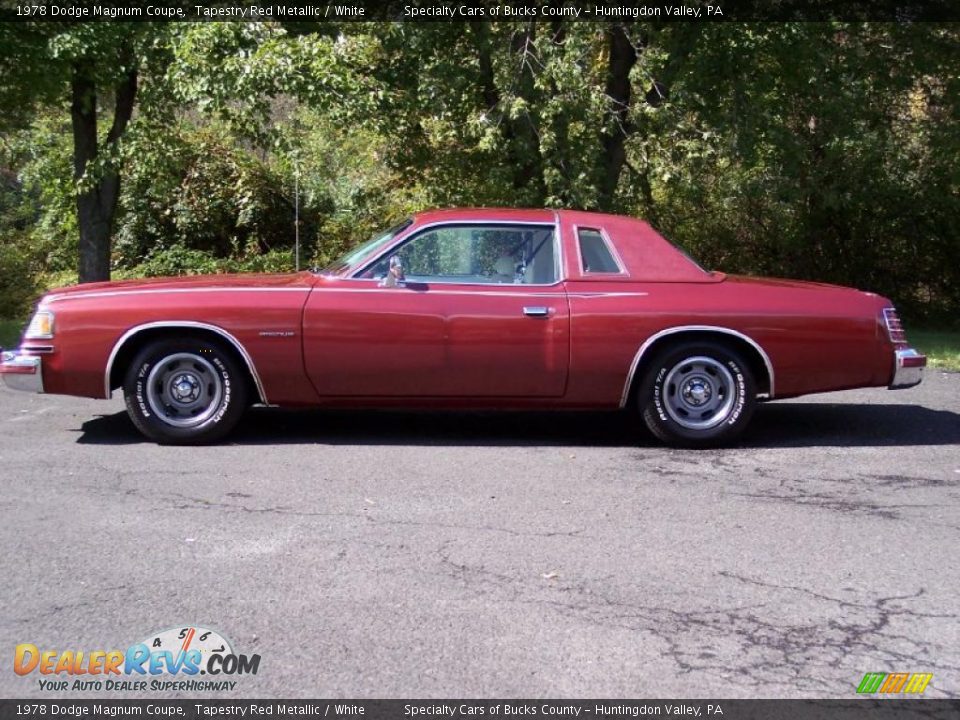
(184, 390)
(699, 393)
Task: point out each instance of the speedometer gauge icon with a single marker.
(180, 640)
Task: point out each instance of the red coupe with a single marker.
(455, 309)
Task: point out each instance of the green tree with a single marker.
(828, 160)
(87, 67)
(817, 150)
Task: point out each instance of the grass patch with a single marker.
(10, 333)
(942, 347)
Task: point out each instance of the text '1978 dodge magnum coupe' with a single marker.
(457, 309)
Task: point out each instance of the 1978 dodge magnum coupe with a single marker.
(505, 309)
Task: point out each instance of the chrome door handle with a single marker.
(536, 311)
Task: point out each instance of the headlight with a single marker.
(40, 327)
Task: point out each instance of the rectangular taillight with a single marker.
(894, 327)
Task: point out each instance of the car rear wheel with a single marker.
(697, 395)
(185, 392)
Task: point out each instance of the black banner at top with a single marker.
(481, 10)
(459, 709)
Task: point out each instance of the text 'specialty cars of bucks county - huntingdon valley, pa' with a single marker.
(467, 309)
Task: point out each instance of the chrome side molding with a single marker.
(625, 396)
(183, 324)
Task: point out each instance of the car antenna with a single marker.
(296, 211)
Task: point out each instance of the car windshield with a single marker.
(380, 240)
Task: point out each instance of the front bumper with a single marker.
(21, 372)
(908, 368)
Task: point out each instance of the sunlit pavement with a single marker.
(396, 554)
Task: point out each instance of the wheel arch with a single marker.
(752, 351)
(136, 337)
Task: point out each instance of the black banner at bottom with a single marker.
(859, 709)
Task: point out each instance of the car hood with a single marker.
(254, 281)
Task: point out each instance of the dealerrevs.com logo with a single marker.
(171, 660)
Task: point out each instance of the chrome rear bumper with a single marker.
(908, 368)
(21, 372)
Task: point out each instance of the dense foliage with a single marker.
(814, 150)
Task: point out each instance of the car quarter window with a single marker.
(482, 254)
(595, 253)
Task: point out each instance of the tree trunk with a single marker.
(488, 85)
(519, 134)
(97, 194)
(524, 144)
(622, 59)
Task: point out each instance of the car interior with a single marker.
(474, 254)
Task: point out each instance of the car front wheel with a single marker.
(697, 395)
(184, 392)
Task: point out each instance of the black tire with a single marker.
(697, 394)
(185, 392)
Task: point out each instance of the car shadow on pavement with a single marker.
(790, 424)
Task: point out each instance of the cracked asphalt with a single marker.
(366, 554)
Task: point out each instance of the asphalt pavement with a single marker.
(366, 554)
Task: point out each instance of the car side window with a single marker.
(595, 254)
(481, 254)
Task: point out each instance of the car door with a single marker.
(479, 312)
